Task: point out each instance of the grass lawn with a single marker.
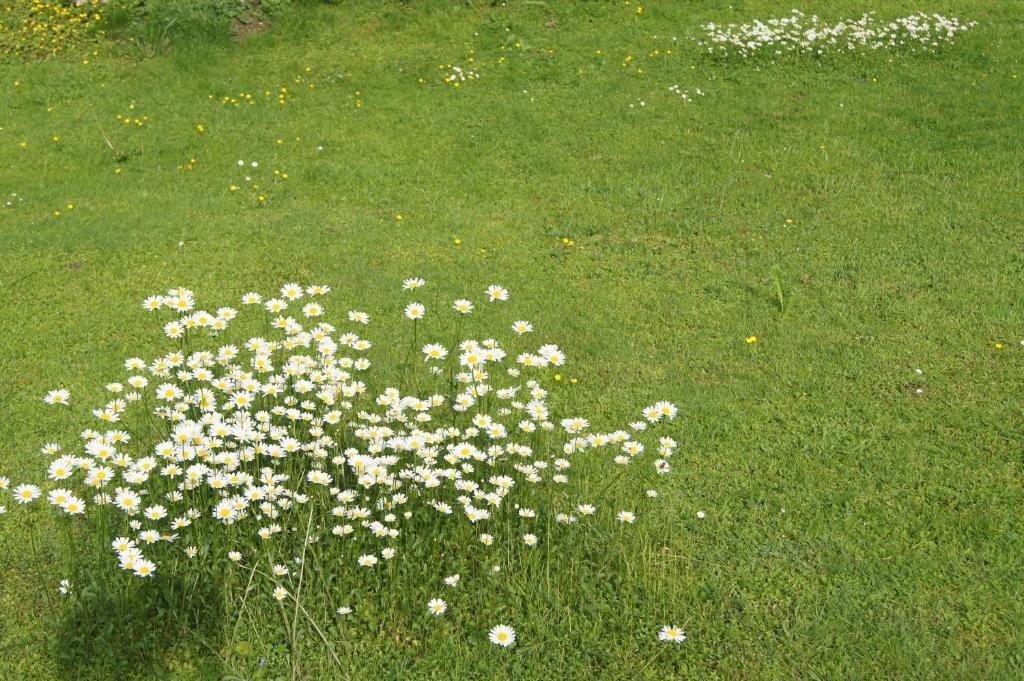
(859, 215)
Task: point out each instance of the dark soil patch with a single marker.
(250, 22)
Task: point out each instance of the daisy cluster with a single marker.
(457, 76)
(802, 34)
(260, 447)
(685, 94)
(13, 200)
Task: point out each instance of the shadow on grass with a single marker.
(144, 631)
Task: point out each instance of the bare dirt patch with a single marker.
(251, 22)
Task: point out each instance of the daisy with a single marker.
(174, 330)
(144, 568)
(280, 593)
(64, 587)
(368, 560)
(575, 425)
(181, 303)
(60, 469)
(23, 494)
(319, 477)
(552, 354)
(437, 607)
(434, 351)
(57, 497)
(496, 292)
(134, 363)
(415, 311)
(462, 306)
(502, 635)
(291, 291)
(168, 392)
(122, 544)
(153, 303)
(359, 317)
(59, 396)
(410, 284)
(155, 512)
(667, 409)
(150, 536)
(671, 634)
(452, 581)
(344, 610)
(626, 517)
(128, 501)
(522, 327)
(530, 539)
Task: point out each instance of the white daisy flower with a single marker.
(502, 635)
(59, 396)
(671, 634)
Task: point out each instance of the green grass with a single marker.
(898, 552)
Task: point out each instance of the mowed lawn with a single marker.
(859, 463)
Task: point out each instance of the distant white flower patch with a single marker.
(457, 76)
(685, 94)
(798, 33)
